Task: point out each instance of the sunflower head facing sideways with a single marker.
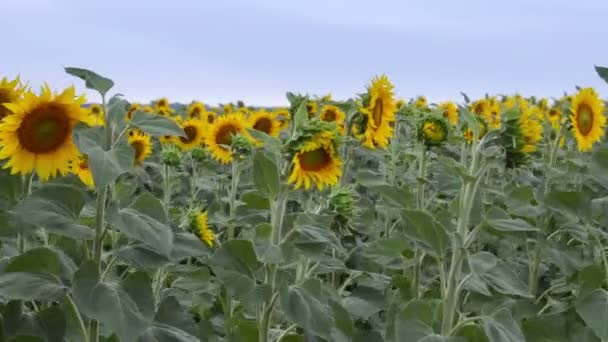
(196, 110)
(194, 130)
(449, 110)
(520, 136)
(10, 92)
(264, 121)
(311, 108)
(199, 224)
(219, 137)
(132, 109)
(315, 162)
(141, 144)
(80, 167)
(587, 118)
(378, 109)
(37, 136)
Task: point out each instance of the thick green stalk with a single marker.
(83, 329)
(234, 183)
(452, 294)
(420, 203)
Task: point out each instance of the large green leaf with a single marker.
(92, 80)
(106, 166)
(235, 264)
(501, 327)
(265, 174)
(171, 324)
(498, 275)
(123, 307)
(36, 260)
(144, 221)
(593, 309)
(364, 302)
(425, 231)
(156, 125)
(502, 221)
(31, 286)
(56, 207)
(307, 310)
(602, 72)
(576, 204)
(52, 322)
(545, 329)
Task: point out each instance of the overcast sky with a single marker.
(256, 50)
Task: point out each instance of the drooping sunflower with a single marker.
(10, 92)
(132, 109)
(420, 102)
(142, 146)
(38, 135)
(449, 110)
(195, 110)
(194, 130)
(587, 117)
(331, 113)
(316, 162)
(80, 167)
(203, 230)
(220, 134)
(266, 122)
(379, 110)
(282, 116)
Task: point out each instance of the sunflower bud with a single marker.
(199, 154)
(170, 155)
(341, 201)
(240, 146)
(433, 131)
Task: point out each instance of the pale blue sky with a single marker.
(223, 50)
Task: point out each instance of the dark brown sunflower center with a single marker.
(191, 134)
(314, 160)
(378, 111)
(162, 103)
(95, 110)
(138, 148)
(330, 115)
(4, 98)
(584, 119)
(45, 128)
(225, 133)
(83, 164)
(195, 112)
(310, 108)
(263, 124)
(210, 119)
(553, 113)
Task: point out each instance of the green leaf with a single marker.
(56, 207)
(121, 307)
(593, 309)
(425, 231)
(265, 175)
(53, 324)
(144, 221)
(37, 260)
(498, 275)
(576, 204)
(235, 264)
(171, 324)
(31, 286)
(307, 311)
(590, 278)
(156, 125)
(500, 220)
(92, 80)
(364, 302)
(501, 327)
(545, 329)
(602, 72)
(106, 166)
(301, 115)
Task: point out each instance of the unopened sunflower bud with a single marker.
(433, 131)
(240, 146)
(199, 154)
(341, 201)
(170, 155)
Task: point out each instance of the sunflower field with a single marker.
(366, 219)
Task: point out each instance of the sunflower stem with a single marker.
(234, 183)
(81, 325)
(97, 246)
(108, 124)
(420, 205)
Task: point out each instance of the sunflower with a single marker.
(511, 102)
(399, 104)
(420, 102)
(10, 92)
(316, 162)
(282, 116)
(311, 108)
(326, 98)
(132, 109)
(228, 108)
(587, 117)
(203, 230)
(163, 107)
(487, 109)
(148, 109)
(554, 116)
(80, 167)
(141, 144)
(379, 109)
(195, 110)
(449, 110)
(38, 135)
(220, 134)
(433, 131)
(531, 131)
(331, 113)
(209, 117)
(266, 122)
(96, 115)
(193, 129)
